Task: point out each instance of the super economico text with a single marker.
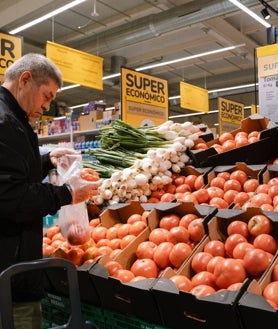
(145, 88)
(231, 111)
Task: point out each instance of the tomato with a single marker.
(183, 188)
(225, 136)
(98, 233)
(52, 230)
(134, 218)
(259, 224)
(186, 219)
(75, 255)
(114, 253)
(229, 196)
(47, 249)
(115, 243)
(179, 180)
(251, 185)
(265, 242)
(112, 266)
(241, 198)
(241, 141)
(46, 240)
(238, 226)
(178, 234)
(145, 249)
(231, 241)
(168, 221)
(78, 234)
(219, 203)
(255, 261)
(202, 195)
(229, 271)
(203, 277)
(215, 248)
(181, 282)
(239, 175)
(232, 184)
(215, 191)
(170, 188)
(235, 286)
(274, 274)
(126, 240)
(167, 197)
(144, 267)
(179, 254)
(190, 180)
(200, 146)
(260, 199)
(228, 145)
(224, 174)
(200, 260)
(212, 263)
(218, 148)
(199, 182)
(218, 181)
(240, 249)
(196, 229)
(137, 227)
(89, 174)
(123, 230)
(124, 275)
(273, 181)
(273, 190)
(270, 293)
(161, 254)
(158, 235)
(202, 290)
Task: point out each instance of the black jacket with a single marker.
(24, 200)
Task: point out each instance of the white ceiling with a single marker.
(139, 32)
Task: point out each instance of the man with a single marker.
(30, 84)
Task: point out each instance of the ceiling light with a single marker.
(46, 16)
(250, 13)
(265, 13)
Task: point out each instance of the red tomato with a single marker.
(273, 190)
(238, 226)
(239, 175)
(215, 191)
(196, 229)
(89, 174)
(219, 203)
(123, 230)
(224, 174)
(241, 198)
(186, 219)
(145, 249)
(202, 290)
(179, 180)
(270, 293)
(235, 286)
(112, 266)
(251, 185)
(78, 234)
(202, 195)
(240, 249)
(190, 180)
(259, 224)
(47, 249)
(231, 241)
(215, 247)
(134, 218)
(124, 275)
(255, 261)
(199, 182)
(232, 184)
(126, 240)
(260, 199)
(178, 234)
(241, 141)
(75, 255)
(158, 235)
(212, 263)
(183, 188)
(144, 267)
(137, 227)
(167, 197)
(273, 181)
(200, 260)
(218, 181)
(225, 136)
(274, 274)
(161, 254)
(182, 282)
(265, 242)
(262, 188)
(179, 254)
(229, 145)
(168, 221)
(170, 188)
(52, 230)
(203, 277)
(229, 271)
(229, 196)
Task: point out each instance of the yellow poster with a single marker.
(77, 66)
(10, 50)
(144, 98)
(231, 114)
(193, 97)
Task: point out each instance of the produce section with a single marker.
(182, 249)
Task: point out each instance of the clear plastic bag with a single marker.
(73, 219)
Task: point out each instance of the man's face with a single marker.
(35, 100)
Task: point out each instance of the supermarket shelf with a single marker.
(51, 138)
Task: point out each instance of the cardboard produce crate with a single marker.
(255, 153)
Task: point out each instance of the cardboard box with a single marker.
(254, 310)
(255, 153)
(89, 121)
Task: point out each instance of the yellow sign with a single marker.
(77, 66)
(144, 98)
(10, 50)
(230, 115)
(193, 98)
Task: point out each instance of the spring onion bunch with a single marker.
(143, 159)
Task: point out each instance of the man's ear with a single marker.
(25, 77)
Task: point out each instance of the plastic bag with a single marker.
(73, 219)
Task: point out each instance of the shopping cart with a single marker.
(75, 320)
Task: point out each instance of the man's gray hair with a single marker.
(41, 68)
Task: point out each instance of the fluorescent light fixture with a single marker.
(250, 13)
(232, 88)
(69, 87)
(46, 16)
(265, 13)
